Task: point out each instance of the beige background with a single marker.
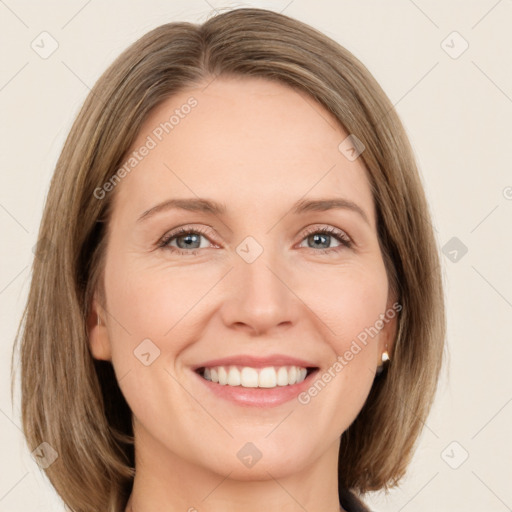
(457, 110)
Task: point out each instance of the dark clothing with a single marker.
(351, 503)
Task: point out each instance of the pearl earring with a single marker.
(385, 359)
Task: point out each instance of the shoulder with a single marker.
(351, 503)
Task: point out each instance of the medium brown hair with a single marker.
(72, 401)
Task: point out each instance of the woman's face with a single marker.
(255, 281)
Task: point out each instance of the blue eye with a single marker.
(188, 240)
(324, 235)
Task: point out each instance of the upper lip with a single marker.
(256, 362)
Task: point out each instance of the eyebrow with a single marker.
(322, 205)
(212, 207)
(193, 205)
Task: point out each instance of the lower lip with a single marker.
(258, 397)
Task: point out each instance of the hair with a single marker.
(72, 401)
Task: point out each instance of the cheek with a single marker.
(348, 300)
(152, 312)
(351, 303)
(154, 302)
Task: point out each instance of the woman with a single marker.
(187, 344)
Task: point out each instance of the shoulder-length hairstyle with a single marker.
(73, 402)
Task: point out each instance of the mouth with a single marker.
(268, 377)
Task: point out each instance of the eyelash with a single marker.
(339, 235)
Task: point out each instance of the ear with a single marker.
(99, 342)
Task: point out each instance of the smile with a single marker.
(248, 377)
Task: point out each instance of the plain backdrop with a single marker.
(447, 68)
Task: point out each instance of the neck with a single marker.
(167, 482)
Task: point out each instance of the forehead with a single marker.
(243, 141)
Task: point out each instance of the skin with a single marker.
(258, 147)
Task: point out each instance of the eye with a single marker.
(321, 237)
(187, 240)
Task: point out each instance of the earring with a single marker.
(385, 360)
(99, 322)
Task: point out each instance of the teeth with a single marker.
(247, 377)
(233, 377)
(267, 378)
(223, 376)
(282, 376)
(293, 373)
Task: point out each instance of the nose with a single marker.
(259, 298)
